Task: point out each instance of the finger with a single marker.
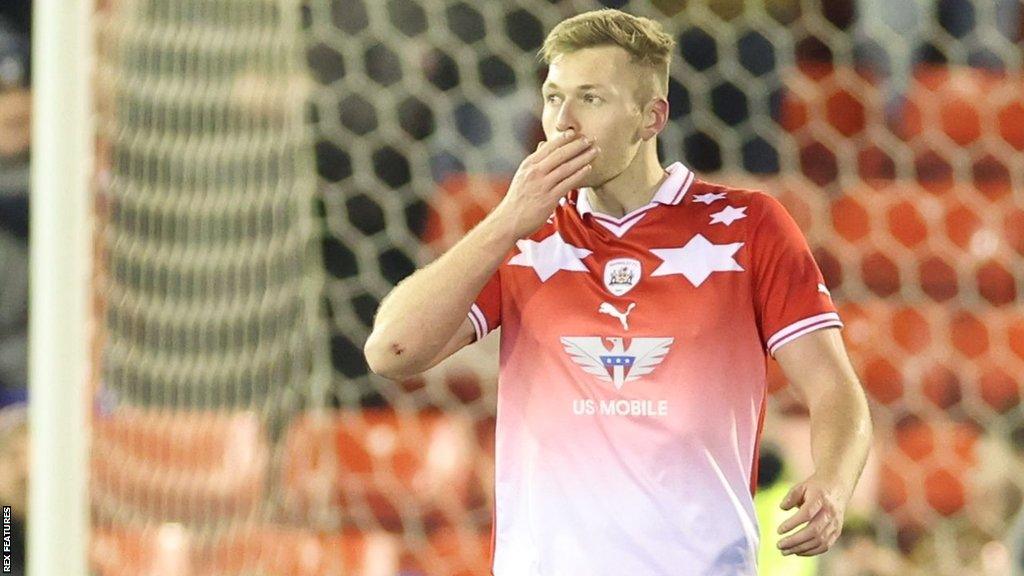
(563, 154)
(807, 511)
(816, 527)
(815, 552)
(793, 497)
(569, 167)
(535, 155)
(546, 147)
(803, 549)
(556, 143)
(824, 544)
(573, 181)
(808, 534)
(564, 137)
(821, 528)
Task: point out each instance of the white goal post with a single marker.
(60, 267)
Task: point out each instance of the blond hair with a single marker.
(648, 45)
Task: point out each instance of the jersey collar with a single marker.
(671, 192)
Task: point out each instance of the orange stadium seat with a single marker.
(926, 354)
(927, 474)
(461, 201)
(826, 107)
(282, 550)
(159, 551)
(458, 554)
(255, 549)
(953, 111)
(957, 243)
(379, 468)
(299, 552)
(820, 93)
(965, 103)
(173, 465)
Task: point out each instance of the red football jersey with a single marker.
(633, 379)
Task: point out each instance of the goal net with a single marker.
(267, 170)
(207, 278)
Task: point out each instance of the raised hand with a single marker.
(555, 168)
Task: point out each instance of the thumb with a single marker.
(793, 497)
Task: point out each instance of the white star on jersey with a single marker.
(729, 215)
(698, 259)
(709, 197)
(549, 256)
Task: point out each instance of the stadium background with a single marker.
(266, 171)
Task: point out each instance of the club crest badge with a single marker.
(621, 275)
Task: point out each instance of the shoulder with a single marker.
(708, 193)
(724, 202)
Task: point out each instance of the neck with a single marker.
(633, 187)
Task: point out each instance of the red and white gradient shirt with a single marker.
(633, 379)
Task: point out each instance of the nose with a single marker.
(566, 119)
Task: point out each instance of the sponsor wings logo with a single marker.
(619, 364)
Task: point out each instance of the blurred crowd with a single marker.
(15, 105)
(15, 128)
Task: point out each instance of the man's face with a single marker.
(594, 92)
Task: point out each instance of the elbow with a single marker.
(386, 359)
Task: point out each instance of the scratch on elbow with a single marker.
(397, 349)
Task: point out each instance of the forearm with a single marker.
(818, 366)
(422, 313)
(840, 435)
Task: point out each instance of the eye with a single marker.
(551, 98)
(591, 98)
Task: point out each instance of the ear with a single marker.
(655, 116)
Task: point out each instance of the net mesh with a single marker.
(207, 280)
(893, 134)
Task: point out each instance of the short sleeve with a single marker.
(485, 313)
(790, 295)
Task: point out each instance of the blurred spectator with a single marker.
(17, 13)
(15, 129)
(14, 478)
(14, 83)
(13, 318)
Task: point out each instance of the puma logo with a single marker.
(610, 310)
